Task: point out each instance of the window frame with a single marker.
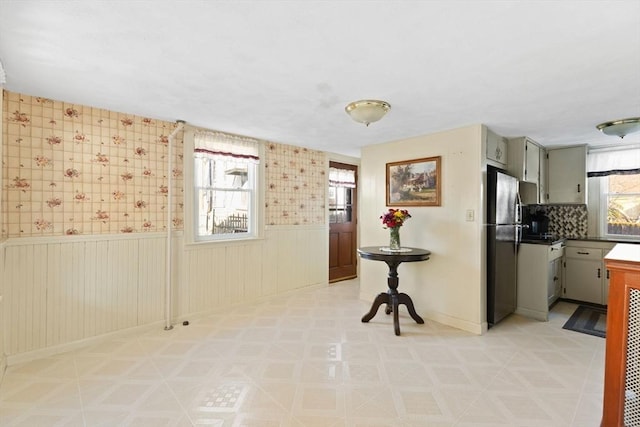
(255, 223)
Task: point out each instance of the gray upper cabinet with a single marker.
(543, 178)
(524, 159)
(567, 175)
(496, 149)
(527, 162)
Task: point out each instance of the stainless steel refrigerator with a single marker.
(503, 238)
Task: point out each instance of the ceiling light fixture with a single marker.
(621, 127)
(367, 110)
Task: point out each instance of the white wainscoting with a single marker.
(3, 320)
(60, 291)
(218, 275)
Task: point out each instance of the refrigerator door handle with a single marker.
(518, 208)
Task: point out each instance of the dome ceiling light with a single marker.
(367, 110)
(620, 127)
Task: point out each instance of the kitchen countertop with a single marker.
(624, 253)
(547, 242)
(538, 241)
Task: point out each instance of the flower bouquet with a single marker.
(393, 220)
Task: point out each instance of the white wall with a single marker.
(449, 287)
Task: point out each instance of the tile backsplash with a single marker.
(568, 220)
(72, 169)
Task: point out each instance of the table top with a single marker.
(375, 253)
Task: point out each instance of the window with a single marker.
(621, 204)
(341, 185)
(618, 172)
(225, 181)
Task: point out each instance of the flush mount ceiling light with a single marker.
(367, 110)
(621, 127)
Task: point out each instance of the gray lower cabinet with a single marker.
(584, 275)
(539, 279)
(554, 280)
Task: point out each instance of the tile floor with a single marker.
(305, 359)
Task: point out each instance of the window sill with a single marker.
(222, 242)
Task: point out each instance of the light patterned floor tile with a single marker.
(305, 359)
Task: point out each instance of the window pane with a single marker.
(340, 204)
(220, 173)
(224, 196)
(223, 211)
(623, 205)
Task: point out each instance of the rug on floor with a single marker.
(588, 320)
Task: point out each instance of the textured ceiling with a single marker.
(284, 70)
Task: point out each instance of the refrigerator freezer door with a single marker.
(506, 199)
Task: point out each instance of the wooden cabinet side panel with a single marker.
(623, 278)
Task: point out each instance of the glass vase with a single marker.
(394, 238)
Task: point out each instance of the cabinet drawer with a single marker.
(556, 251)
(583, 253)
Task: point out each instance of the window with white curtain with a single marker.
(225, 175)
(618, 171)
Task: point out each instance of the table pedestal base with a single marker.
(393, 301)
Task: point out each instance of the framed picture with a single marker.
(414, 182)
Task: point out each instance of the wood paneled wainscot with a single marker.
(621, 406)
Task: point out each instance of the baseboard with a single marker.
(542, 316)
(465, 325)
(28, 356)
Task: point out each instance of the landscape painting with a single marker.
(414, 182)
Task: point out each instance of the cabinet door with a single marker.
(551, 283)
(496, 148)
(554, 280)
(605, 288)
(542, 178)
(532, 162)
(567, 172)
(584, 275)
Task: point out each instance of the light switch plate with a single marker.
(470, 215)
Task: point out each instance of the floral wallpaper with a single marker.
(296, 184)
(72, 169)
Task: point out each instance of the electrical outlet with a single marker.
(470, 215)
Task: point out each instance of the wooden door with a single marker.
(342, 223)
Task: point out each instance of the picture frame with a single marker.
(414, 182)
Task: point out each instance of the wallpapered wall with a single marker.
(296, 184)
(73, 169)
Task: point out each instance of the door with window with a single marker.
(342, 221)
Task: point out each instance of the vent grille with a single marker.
(632, 381)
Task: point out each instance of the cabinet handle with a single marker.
(607, 274)
(578, 188)
(598, 273)
(582, 253)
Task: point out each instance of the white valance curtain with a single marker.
(342, 178)
(606, 162)
(226, 146)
